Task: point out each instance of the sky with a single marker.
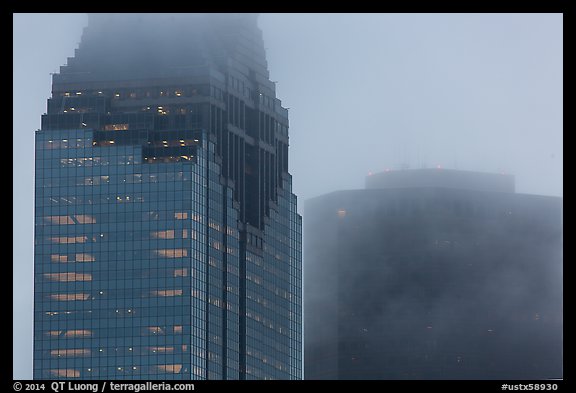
(365, 92)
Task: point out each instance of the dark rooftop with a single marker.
(444, 178)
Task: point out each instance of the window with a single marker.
(66, 297)
(170, 368)
(69, 240)
(68, 277)
(181, 272)
(172, 253)
(68, 373)
(181, 215)
(78, 333)
(116, 127)
(167, 292)
(168, 234)
(70, 352)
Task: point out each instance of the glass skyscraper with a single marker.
(433, 274)
(167, 240)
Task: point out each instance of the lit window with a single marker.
(181, 272)
(172, 253)
(170, 368)
(84, 218)
(181, 216)
(116, 127)
(66, 297)
(69, 240)
(161, 349)
(155, 330)
(59, 258)
(59, 220)
(65, 372)
(167, 292)
(70, 352)
(168, 234)
(78, 333)
(85, 257)
(68, 277)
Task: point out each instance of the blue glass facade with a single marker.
(167, 242)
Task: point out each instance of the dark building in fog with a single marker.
(167, 240)
(433, 274)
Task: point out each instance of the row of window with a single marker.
(140, 93)
(159, 308)
(91, 372)
(76, 143)
(73, 179)
(140, 215)
(96, 335)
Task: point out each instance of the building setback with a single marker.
(167, 241)
(433, 274)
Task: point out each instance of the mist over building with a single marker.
(167, 239)
(433, 274)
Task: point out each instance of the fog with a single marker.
(366, 92)
(432, 283)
